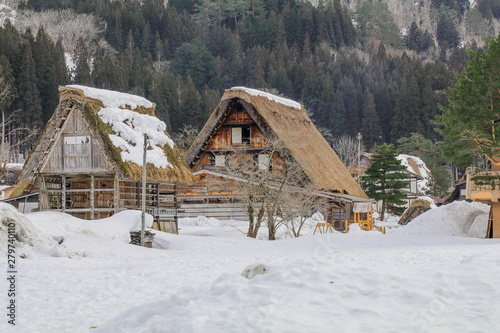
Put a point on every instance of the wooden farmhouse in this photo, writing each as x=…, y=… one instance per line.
x=88, y=160
x=248, y=120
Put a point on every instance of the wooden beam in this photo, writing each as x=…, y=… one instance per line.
x=117, y=191
x=92, y=196
x=63, y=203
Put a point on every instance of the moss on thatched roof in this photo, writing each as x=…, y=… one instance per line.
x=279, y=119
x=90, y=107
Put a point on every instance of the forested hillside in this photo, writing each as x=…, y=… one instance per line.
x=353, y=70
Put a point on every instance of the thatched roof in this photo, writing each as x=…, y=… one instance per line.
x=75, y=97
x=287, y=121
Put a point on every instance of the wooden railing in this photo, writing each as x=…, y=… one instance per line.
x=483, y=192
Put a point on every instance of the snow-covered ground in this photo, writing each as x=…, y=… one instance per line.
x=427, y=276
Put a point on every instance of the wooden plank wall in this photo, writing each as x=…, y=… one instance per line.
x=81, y=158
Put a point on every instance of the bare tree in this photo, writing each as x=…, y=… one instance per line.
x=12, y=136
x=265, y=183
x=346, y=148
x=185, y=137
x=299, y=204
x=65, y=25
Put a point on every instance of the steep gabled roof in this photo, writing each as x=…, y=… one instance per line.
x=287, y=121
x=116, y=121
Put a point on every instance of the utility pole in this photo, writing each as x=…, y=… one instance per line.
x=143, y=222
x=359, y=137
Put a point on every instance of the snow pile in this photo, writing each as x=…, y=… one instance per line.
x=271, y=97
x=114, y=99
x=27, y=238
x=459, y=218
x=129, y=127
x=416, y=165
x=200, y=221
x=62, y=226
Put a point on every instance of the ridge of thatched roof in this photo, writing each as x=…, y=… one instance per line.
x=76, y=96
x=291, y=125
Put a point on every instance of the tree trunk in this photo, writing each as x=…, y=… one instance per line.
x=271, y=230
x=383, y=210
x=250, y=218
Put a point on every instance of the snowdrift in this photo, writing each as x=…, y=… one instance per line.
x=459, y=218
x=60, y=234
x=27, y=238
x=117, y=227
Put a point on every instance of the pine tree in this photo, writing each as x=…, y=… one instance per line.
x=468, y=122
x=82, y=70
x=44, y=55
x=370, y=129
x=191, y=111
x=146, y=41
x=29, y=97
x=258, y=77
x=60, y=69
x=384, y=179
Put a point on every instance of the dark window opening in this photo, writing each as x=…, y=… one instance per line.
x=245, y=135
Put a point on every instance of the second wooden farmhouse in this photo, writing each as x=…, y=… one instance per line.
x=248, y=120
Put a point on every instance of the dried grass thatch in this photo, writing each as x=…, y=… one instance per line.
x=299, y=135
x=74, y=97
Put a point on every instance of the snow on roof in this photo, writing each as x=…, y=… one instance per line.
x=416, y=165
x=114, y=99
x=271, y=97
x=129, y=128
x=14, y=166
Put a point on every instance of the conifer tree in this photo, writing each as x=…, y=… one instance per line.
x=60, y=69
x=384, y=179
x=44, y=55
x=258, y=77
x=190, y=109
x=370, y=129
x=29, y=97
x=469, y=120
x=82, y=70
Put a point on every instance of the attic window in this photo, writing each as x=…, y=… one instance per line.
x=240, y=135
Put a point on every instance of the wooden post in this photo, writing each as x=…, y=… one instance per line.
x=92, y=196
x=63, y=188
x=143, y=222
x=176, y=211
x=158, y=195
x=117, y=193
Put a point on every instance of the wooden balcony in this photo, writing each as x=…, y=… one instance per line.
x=486, y=193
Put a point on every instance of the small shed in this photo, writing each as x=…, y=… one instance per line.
x=88, y=160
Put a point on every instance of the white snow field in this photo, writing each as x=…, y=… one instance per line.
x=428, y=276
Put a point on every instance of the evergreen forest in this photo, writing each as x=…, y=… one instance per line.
x=353, y=70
